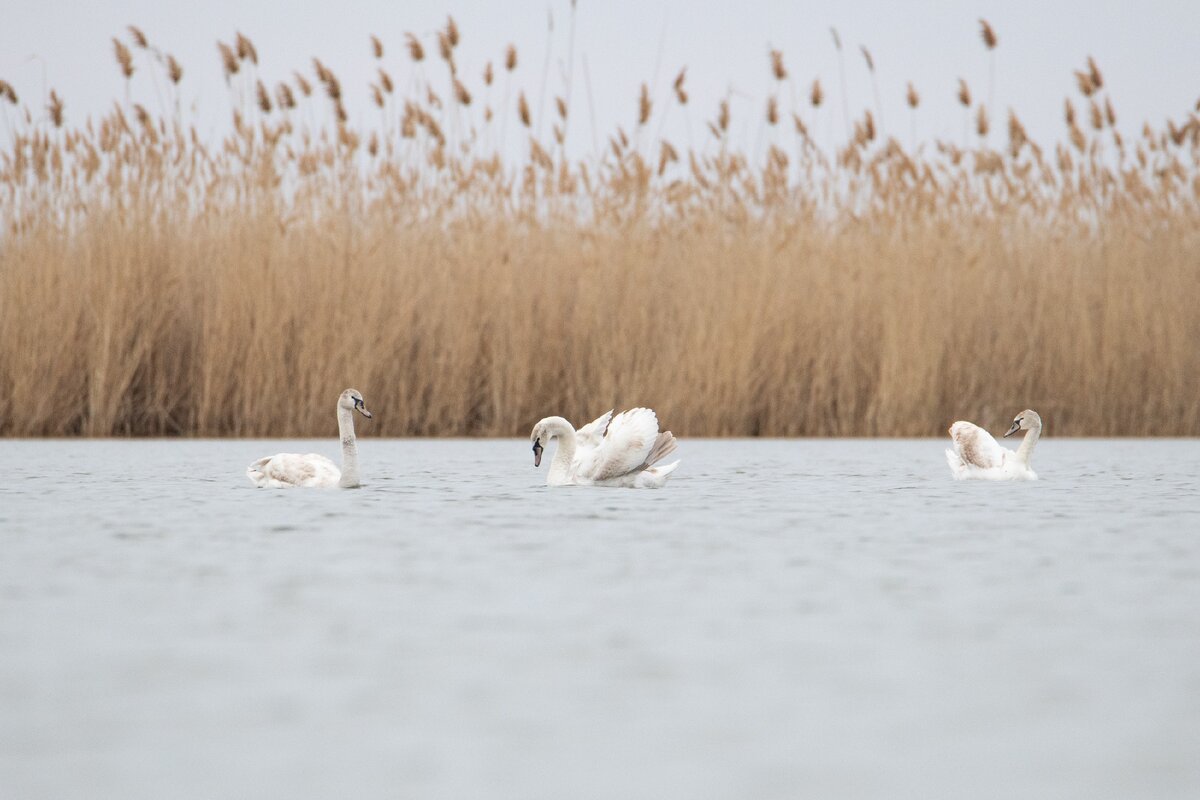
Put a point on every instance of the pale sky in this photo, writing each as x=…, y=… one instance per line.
x=1149, y=53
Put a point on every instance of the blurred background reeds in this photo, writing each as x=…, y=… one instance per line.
x=457, y=262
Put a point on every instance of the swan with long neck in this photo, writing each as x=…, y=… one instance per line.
x=977, y=455
x=287, y=470
x=612, y=451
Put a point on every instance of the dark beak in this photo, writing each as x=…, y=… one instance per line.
x=1016, y=426
x=362, y=409
x=537, y=454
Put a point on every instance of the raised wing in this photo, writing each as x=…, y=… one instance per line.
x=631, y=435
x=592, y=434
x=975, y=446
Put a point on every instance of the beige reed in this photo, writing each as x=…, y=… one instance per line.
x=151, y=284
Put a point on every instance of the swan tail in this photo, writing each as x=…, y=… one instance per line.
x=666, y=469
x=663, y=446
x=656, y=477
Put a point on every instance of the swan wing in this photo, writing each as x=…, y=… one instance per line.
x=975, y=446
x=624, y=449
x=592, y=434
x=293, y=469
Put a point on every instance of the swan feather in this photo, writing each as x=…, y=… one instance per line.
x=288, y=470
x=624, y=449
x=592, y=434
x=975, y=446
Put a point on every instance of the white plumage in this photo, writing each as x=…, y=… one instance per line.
x=288, y=470
x=610, y=451
x=978, y=456
x=591, y=434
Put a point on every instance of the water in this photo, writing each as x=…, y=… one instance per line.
x=786, y=619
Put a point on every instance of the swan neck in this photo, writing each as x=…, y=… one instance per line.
x=560, y=467
x=349, y=478
x=1025, y=451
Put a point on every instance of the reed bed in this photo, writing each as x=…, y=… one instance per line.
x=154, y=283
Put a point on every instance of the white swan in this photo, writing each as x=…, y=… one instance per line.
x=610, y=451
x=977, y=455
x=286, y=470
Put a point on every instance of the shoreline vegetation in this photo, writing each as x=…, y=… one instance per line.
x=155, y=284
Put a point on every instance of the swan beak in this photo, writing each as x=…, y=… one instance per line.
x=537, y=454
x=362, y=409
x=1016, y=426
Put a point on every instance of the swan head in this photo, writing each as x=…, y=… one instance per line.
x=548, y=429
x=352, y=400
x=1026, y=420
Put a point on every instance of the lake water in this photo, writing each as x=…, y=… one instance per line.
x=786, y=619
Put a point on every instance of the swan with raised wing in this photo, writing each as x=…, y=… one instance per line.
x=978, y=456
x=611, y=451
x=288, y=470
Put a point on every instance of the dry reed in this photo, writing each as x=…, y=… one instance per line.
x=152, y=284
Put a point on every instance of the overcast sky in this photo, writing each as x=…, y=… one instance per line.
x=1149, y=53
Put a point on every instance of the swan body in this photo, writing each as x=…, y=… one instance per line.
x=978, y=456
x=619, y=451
x=289, y=470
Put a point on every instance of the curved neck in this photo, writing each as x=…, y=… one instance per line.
x=560, y=467
x=349, y=478
x=1025, y=451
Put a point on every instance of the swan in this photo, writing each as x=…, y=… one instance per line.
x=609, y=451
x=977, y=455
x=285, y=470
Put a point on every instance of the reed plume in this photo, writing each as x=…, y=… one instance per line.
x=523, y=110
x=245, y=49
x=229, y=60
x=981, y=120
x=124, y=58
x=284, y=97
x=55, y=109
x=988, y=34
x=461, y=94
x=777, y=68
x=644, y=105
x=1086, y=83
x=138, y=37
x=964, y=93
x=415, y=51
x=263, y=97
